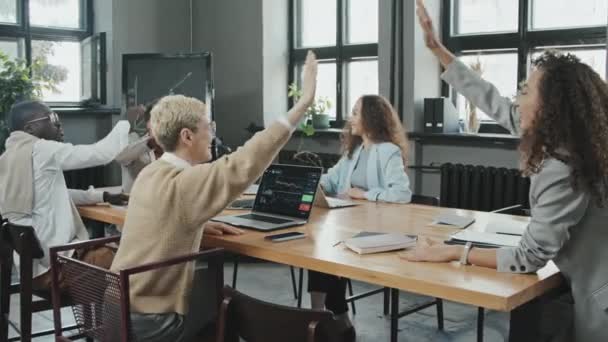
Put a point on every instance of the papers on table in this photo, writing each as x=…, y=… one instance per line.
x=453, y=220
x=507, y=227
x=484, y=239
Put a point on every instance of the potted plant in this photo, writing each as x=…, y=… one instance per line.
x=17, y=83
x=317, y=114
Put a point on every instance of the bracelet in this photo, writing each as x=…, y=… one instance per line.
x=464, y=257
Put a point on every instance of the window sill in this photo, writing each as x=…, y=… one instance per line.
x=86, y=110
x=481, y=139
x=319, y=132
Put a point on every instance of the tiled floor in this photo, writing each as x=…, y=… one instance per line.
x=271, y=282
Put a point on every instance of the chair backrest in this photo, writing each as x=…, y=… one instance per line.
x=100, y=298
x=253, y=320
x=425, y=200
x=22, y=239
x=96, y=298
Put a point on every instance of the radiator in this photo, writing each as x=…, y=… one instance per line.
x=83, y=178
x=482, y=188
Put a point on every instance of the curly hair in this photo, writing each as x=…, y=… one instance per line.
x=571, y=124
x=380, y=122
x=172, y=114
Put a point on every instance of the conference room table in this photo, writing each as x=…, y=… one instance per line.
x=319, y=251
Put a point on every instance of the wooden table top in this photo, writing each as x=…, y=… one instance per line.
x=471, y=285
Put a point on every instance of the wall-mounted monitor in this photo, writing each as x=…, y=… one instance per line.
x=148, y=76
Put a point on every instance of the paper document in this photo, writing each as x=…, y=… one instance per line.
x=499, y=240
x=453, y=220
x=508, y=227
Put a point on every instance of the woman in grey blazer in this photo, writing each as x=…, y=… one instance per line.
x=562, y=117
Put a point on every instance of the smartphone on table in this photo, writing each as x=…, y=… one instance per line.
x=285, y=236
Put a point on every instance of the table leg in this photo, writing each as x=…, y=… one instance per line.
x=394, y=314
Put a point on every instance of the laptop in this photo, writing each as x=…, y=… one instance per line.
x=323, y=201
x=284, y=199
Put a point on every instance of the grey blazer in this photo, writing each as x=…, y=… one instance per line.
x=566, y=226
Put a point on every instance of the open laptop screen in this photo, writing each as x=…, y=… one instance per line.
x=288, y=190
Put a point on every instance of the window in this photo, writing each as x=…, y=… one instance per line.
x=55, y=38
x=344, y=35
x=502, y=36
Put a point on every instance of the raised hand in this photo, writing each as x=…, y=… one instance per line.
x=309, y=86
x=426, y=23
x=309, y=83
x=430, y=35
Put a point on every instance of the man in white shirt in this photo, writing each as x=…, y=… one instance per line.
x=34, y=190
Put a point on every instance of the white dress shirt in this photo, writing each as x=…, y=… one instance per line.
x=52, y=216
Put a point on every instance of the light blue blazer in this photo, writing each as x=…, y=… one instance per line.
x=386, y=177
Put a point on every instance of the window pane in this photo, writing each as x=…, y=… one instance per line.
x=13, y=48
x=57, y=65
x=326, y=83
x=362, y=79
x=483, y=16
x=315, y=23
x=362, y=21
x=55, y=13
x=498, y=68
x=551, y=14
x=8, y=11
x=594, y=57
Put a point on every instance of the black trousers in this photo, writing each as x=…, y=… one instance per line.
x=334, y=287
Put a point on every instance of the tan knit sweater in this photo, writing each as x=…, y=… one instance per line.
x=168, y=208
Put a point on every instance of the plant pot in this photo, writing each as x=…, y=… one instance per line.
x=320, y=121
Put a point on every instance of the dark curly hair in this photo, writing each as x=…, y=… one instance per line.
x=380, y=122
x=571, y=124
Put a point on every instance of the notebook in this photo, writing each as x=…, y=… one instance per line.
x=453, y=220
x=368, y=242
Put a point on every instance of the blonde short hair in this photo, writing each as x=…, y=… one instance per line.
x=172, y=114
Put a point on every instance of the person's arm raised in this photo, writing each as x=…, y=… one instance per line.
x=431, y=38
x=213, y=186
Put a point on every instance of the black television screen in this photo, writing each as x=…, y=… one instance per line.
x=146, y=77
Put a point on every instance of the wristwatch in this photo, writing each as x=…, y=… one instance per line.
x=464, y=257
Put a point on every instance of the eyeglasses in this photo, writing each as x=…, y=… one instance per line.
x=52, y=116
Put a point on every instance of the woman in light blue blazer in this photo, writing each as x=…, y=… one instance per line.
x=375, y=154
x=561, y=114
x=372, y=168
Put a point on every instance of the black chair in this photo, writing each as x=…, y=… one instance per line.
x=250, y=319
x=23, y=241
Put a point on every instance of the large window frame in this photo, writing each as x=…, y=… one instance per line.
x=24, y=32
x=525, y=41
x=341, y=54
